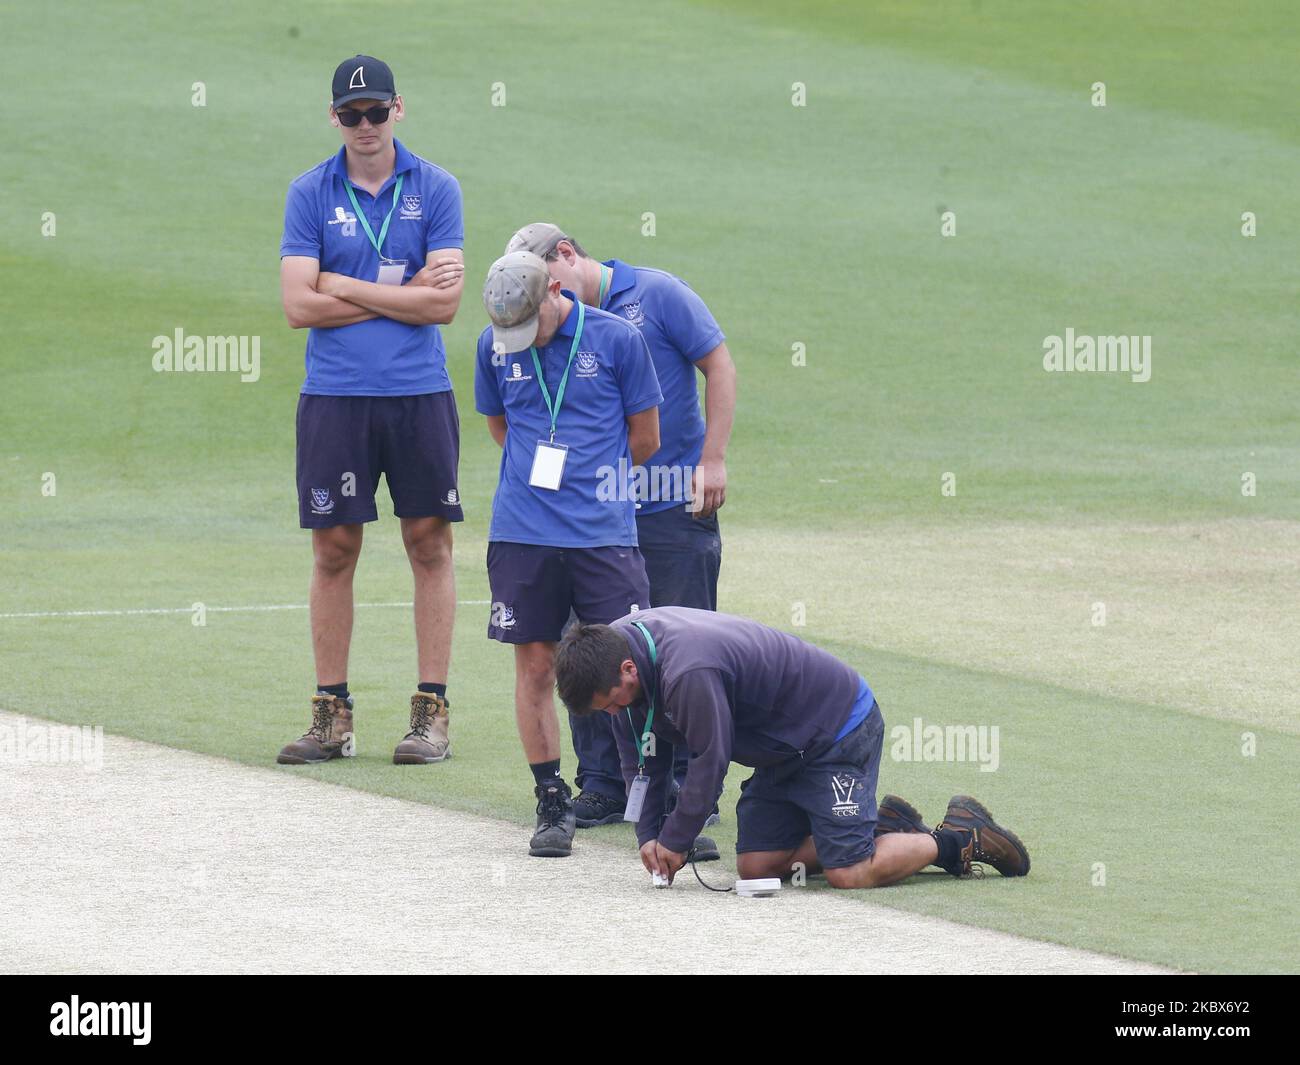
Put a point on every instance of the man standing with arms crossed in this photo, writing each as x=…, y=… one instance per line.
x=568, y=390
x=677, y=525
x=377, y=398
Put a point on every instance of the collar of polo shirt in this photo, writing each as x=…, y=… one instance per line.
x=403, y=161
x=624, y=278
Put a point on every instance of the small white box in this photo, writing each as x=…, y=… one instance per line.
x=758, y=889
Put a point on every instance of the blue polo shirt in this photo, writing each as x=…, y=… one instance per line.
x=679, y=330
x=612, y=377
x=382, y=356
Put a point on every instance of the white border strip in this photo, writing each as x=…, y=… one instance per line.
x=257, y=609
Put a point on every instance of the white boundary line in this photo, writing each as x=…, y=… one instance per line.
x=256, y=609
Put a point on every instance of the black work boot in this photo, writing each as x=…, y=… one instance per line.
x=555, y=827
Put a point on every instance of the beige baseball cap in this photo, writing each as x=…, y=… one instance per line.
x=540, y=238
x=514, y=291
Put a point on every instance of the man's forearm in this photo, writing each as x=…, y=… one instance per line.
x=642, y=448
x=312, y=310
x=719, y=412
x=656, y=798
x=412, y=304
x=681, y=827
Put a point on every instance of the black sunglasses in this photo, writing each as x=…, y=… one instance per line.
x=377, y=115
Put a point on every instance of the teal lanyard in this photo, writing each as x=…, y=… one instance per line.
x=605, y=274
x=553, y=409
x=365, y=222
x=650, y=702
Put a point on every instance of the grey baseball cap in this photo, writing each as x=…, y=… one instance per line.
x=515, y=289
x=540, y=238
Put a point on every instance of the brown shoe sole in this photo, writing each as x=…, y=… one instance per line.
x=297, y=759
x=420, y=759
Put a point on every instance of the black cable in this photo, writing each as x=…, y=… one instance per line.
x=690, y=857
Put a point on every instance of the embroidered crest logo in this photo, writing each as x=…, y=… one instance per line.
x=410, y=207
x=843, y=785
x=587, y=364
x=321, y=503
x=633, y=312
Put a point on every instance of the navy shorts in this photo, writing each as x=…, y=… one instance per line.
x=346, y=442
x=533, y=588
x=683, y=555
x=831, y=797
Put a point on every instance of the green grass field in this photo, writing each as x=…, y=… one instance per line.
x=1121, y=745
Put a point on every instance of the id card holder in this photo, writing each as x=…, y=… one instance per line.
x=548, y=465
x=391, y=271
x=636, y=798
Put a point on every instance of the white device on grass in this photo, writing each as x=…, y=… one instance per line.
x=659, y=881
x=758, y=889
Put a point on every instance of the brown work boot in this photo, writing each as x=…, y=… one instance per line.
x=898, y=815
x=984, y=841
x=427, y=741
x=330, y=735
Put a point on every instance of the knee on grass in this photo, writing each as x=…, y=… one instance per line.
x=760, y=866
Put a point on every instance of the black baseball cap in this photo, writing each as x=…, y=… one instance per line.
x=363, y=77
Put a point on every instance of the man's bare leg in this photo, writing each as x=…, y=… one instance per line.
x=428, y=548
x=897, y=856
x=539, y=726
x=336, y=551
x=539, y=731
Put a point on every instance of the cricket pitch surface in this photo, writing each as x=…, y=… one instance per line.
x=164, y=861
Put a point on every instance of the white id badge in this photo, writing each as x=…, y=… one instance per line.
x=636, y=798
x=391, y=271
x=548, y=465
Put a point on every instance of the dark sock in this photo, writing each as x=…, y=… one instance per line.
x=545, y=772
x=433, y=689
x=949, y=842
x=341, y=690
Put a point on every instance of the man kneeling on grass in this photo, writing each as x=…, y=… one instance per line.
x=732, y=690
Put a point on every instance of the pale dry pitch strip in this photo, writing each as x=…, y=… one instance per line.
x=168, y=861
